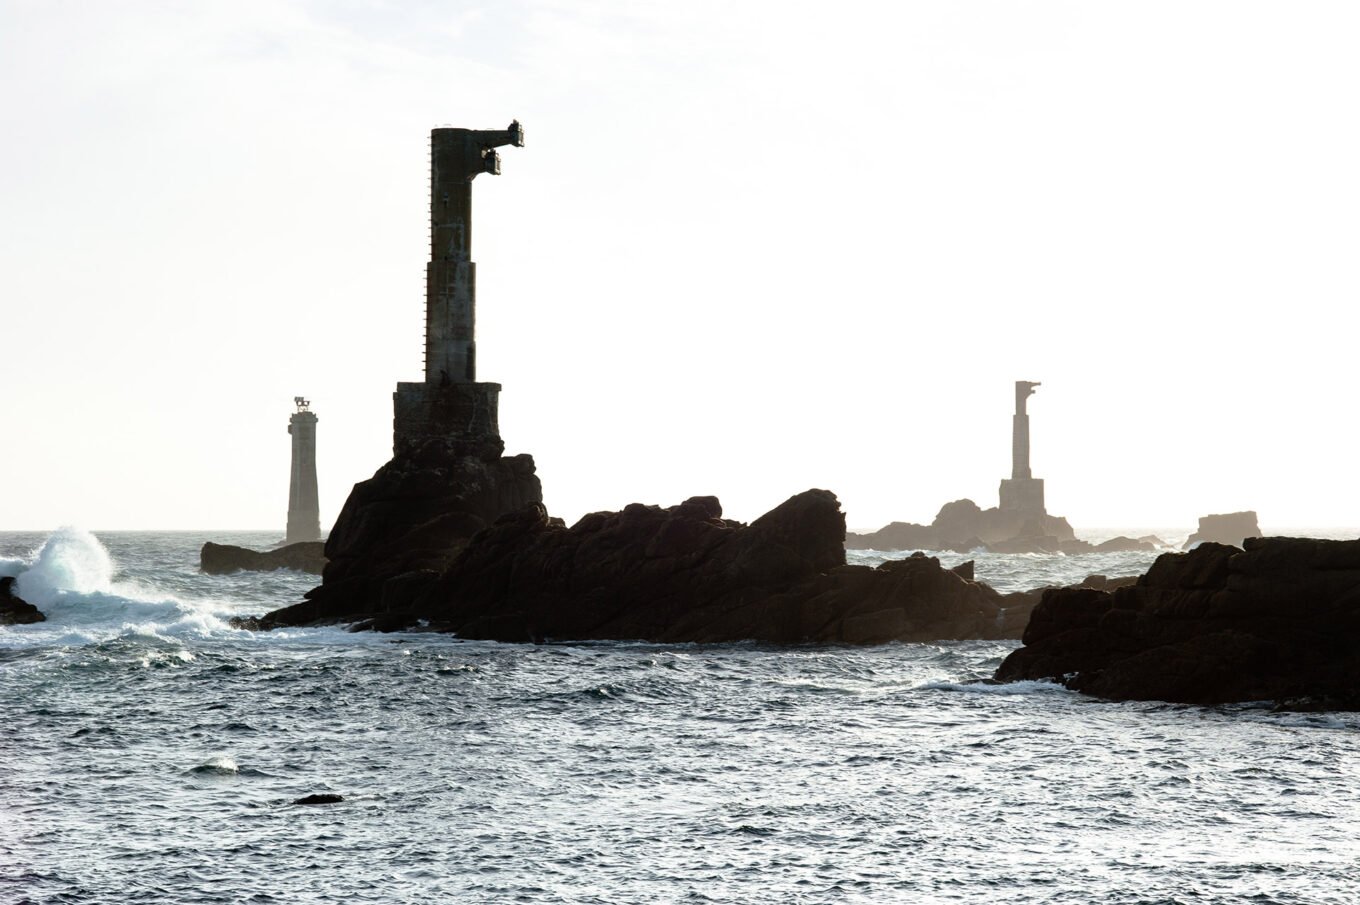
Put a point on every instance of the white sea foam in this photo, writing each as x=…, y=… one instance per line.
x=221, y=765
x=1029, y=686
x=70, y=579
x=71, y=561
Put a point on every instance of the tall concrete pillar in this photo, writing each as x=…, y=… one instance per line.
x=457, y=156
x=1020, y=431
x=451, y=407
x=1022, y=492
x=304, y=513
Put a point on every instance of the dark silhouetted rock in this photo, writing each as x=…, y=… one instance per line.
x=403, y=527
x=682, y=574
x=320, y=798
x=1102, y=583
x=15, y=610
x=1229, y=528
x=1277, y=621
x=221, y=559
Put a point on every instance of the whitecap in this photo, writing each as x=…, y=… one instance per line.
x=1028, y=686
x=221, y=765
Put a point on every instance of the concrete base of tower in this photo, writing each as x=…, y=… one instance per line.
x=1023, y=495
x=303, y=527
x=459, y=417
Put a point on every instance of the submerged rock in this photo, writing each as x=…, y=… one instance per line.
x=320, y=798
x=1276, y=621
x=14, y=610
x=680, y=574
x=222, y=559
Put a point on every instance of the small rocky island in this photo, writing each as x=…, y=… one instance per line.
x=1020, y=524
x=223, y=559
x=1277, y=620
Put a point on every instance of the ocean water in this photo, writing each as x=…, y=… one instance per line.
x=151, y=753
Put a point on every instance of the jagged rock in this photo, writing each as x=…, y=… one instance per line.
x=1227, y=528
x=404, y=526
x=14, y=610
x=221, y=559
x=1276, y=621
x=685, y=574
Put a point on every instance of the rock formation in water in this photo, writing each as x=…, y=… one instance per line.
x=415, y=516
x=221, y=559
x=1120, y=544
x=1276, y=621
x=678, y=574
x=963, y=526
x=14, y=610
x=1228, y=528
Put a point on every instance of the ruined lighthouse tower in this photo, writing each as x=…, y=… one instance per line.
x=1022, y=493
x=450, y=407
x=448, y=477
x=304, y=515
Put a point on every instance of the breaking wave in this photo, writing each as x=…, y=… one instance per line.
x=73, y=581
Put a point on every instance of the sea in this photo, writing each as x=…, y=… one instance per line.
x=149, y=752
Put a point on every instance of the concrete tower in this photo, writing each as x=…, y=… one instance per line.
x=451, y=406
x=1022, y=492
x=304, y=515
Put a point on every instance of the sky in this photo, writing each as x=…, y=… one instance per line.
x=749, y=248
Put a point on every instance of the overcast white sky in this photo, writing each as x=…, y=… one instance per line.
x=749, y=248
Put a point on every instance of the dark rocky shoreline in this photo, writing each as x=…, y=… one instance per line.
x=1276, y=621
x=678, y=574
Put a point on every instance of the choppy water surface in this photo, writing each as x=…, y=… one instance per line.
x=150, y=754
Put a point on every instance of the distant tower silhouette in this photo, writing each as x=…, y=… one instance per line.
x=1022, y=492
x=304, y=515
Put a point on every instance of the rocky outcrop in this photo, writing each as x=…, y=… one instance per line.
x=1120, y=544
x=1276, y=621
x=411, y=519
x=681, y=574
x=13, y=609
x=963, y=526
x=1229, y=528
x=222, y=559
x=320, y=798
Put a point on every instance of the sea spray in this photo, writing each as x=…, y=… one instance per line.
x=71, y=560
x=71, y=579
